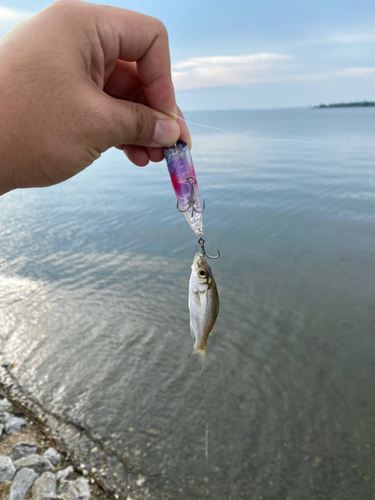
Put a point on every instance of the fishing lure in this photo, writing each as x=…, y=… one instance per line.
x=185, y=184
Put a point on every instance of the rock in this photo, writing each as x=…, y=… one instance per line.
x=1, y=428
x=7, y=469
x=53, y=456
x=36, y=462
x=78, y=490
x=63, y=488
x=5, y=404
x=4, y=416
x=45, y=487
x=63, y=474
x=22, y=483
x=14, y=424
x=23, y=449
x=140, y=481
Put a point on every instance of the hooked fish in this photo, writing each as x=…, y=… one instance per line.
x=203, y=306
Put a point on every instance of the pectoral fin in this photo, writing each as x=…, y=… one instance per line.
x=197, y=299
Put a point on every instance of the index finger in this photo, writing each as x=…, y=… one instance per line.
x=131, y=36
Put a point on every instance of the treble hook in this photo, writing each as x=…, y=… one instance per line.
x=191, y=200
x=204, y=254
x=191, y=205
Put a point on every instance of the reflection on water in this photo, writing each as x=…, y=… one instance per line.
x=94, y=283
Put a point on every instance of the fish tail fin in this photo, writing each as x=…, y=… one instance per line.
x=200, y=355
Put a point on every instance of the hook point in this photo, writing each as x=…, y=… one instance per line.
x=204, y=254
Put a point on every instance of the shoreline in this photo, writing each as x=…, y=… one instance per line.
x=31, y=442
x=109, y=477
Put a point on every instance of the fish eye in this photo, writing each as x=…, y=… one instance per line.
x=202, y=273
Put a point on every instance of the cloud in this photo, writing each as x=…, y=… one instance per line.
x=11, y=17
x=355, y=39
x=329, y=75
x=367, y=71
x=217, y=71
x=351, y=39
x=223, y=71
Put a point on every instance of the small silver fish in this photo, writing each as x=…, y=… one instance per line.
x=203, y=306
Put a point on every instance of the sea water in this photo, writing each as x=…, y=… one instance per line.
x=94, y=286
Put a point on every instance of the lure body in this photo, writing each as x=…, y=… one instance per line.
x=185, y=185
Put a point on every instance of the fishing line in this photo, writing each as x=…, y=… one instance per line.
x=268, y=138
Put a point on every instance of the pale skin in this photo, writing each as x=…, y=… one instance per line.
x=77, y=79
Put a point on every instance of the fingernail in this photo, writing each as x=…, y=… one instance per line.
x=166, y=132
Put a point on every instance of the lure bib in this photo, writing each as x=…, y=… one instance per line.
x=185, y=185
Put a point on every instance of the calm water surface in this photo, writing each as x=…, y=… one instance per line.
x=94, y=285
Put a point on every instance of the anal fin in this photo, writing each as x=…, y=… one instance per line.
x=213, y=331
x=192, y=330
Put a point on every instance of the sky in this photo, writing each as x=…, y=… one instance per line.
x=251, y=54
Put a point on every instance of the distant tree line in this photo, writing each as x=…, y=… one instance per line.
x=362, y=104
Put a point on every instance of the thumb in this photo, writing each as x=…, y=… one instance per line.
x=127, y=122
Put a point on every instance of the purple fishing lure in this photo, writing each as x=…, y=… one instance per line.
x=185, y=185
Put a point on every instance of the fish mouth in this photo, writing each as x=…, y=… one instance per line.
x=194, y=266
x=198, y=261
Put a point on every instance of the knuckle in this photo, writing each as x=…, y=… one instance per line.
x=161, y=30
x=64, y=14
x=64, y=4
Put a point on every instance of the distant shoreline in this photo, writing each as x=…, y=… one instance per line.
x=362, y=104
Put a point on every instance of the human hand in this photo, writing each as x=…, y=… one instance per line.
x=77, y=79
